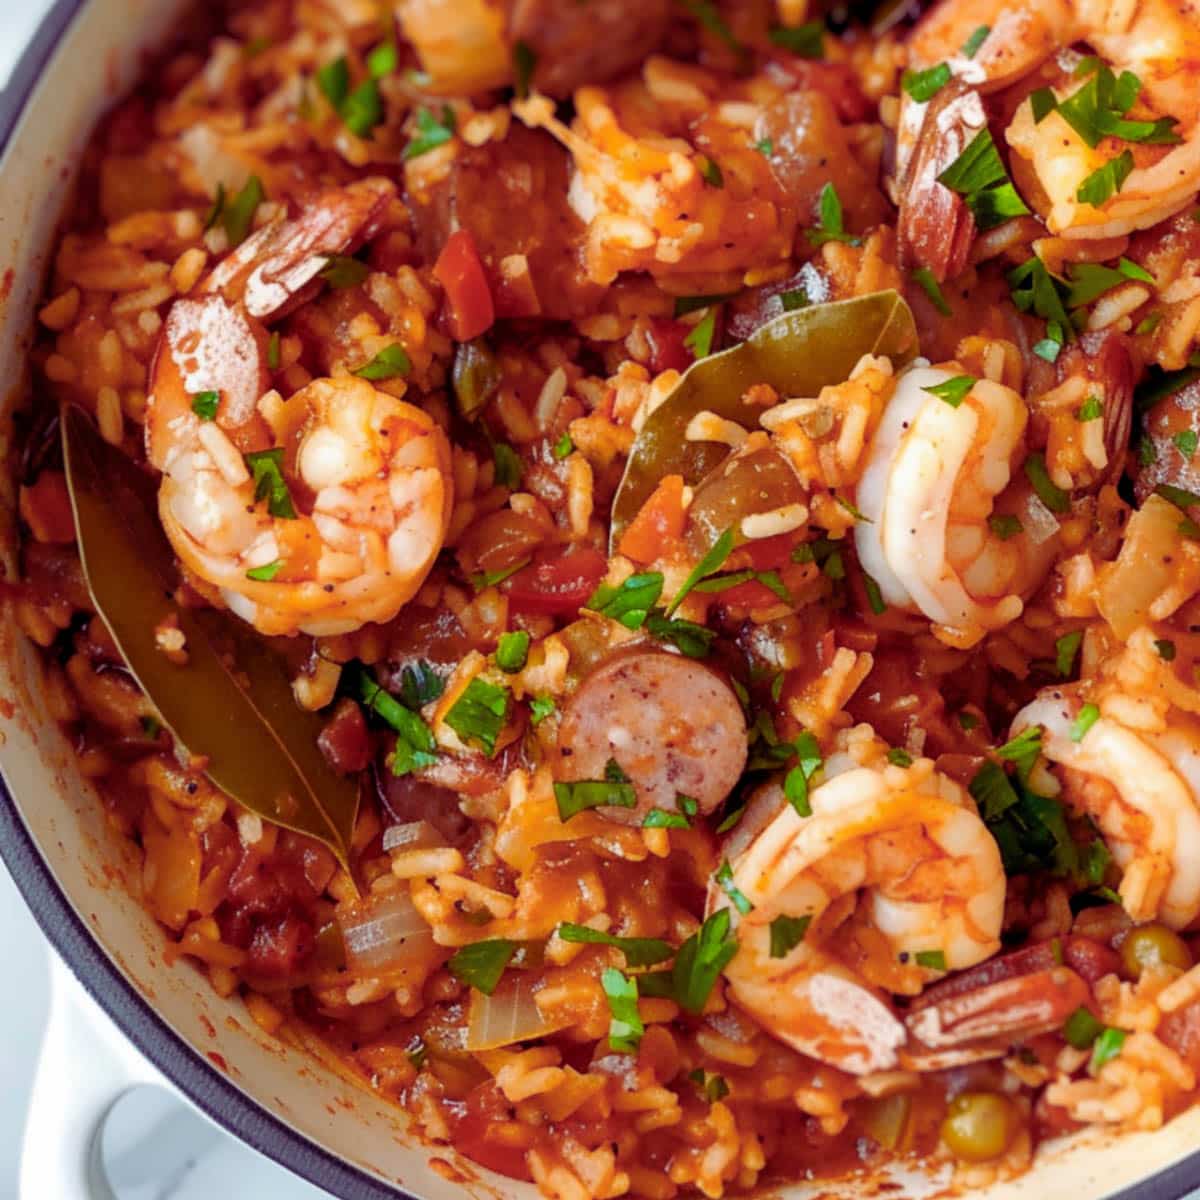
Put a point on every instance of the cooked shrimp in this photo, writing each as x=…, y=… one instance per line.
x=1157, y=40
x=1139, y=783
x=351, y=494
x=935, y=474
x=893, y=863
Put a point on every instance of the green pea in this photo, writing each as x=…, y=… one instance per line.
x=980, y=1126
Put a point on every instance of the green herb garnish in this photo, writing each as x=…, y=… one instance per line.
x=481, y=964
x=266, y=468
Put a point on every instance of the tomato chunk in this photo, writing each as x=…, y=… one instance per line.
x=658, y=524
x=458, y=269
x=557, y=581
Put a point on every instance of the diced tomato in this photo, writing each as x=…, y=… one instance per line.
x=766, y=553
x=485, y=1111
x=751, y=594
x=468, y=297
x=344, y=740
x=557, y=581
x=279, y=947
x=667, y=349
x=658, y=523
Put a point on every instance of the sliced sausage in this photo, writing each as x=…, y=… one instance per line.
x=574, y=44
x=671, y=724
x=1164, y=462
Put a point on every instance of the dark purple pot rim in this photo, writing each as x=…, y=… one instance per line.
x=198, y=1080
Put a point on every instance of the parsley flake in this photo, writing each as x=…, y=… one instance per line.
x=481, y=964
x=432, y=132
x=266, y=468
x=787, y=933
x=205, y=404
x=638, y=952
x=625, y=1027
x=953, y=391
x=391, y=362
x=831, y=227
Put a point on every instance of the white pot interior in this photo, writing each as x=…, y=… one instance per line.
x=97, y=59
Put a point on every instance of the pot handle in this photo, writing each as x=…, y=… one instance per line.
x=82, y=1071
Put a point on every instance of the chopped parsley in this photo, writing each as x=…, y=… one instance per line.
x=700, y=340
x=1050, y=347
x=524, y=61
x=953, y=391
x=765, y=147
x=563, y=447
x=577, y=797
x=1185, y=441
x=1092, y=409
x=1023, y=750
x=806, y=41
x=724, y=880
x=1107, y=1047
x=273, y=351
x=972, y=44
x=831, y=226
x=1097, y=110
x=700, y=960
x=1178, y=496
x=1147, y=454
x=793, y=299
x=1048, y=492
x=238, y=214
x=266, y=572
x=689, y=638
x=874, y=595
x=362, y=110
x=978, y=175
x=1035, y=290
x=710, y=171
x=333, y=81
x=1148, y=324
x=899, y=758
x=659, y=818
x=512, y=650
x=486, y=579
x=540, y=707
x=390, y=362
x=639, y=952
x=1005, y=525
x=796, y=781
x=787, y=933
x=340, y=271
x=481, y=964
x=711, y=1087
x=1042, y=102
x=266, y=468
x=1065, y=649
x=1105, y=181
x=415, y=746
x=1089, y=714
x=691, y=304
x=631, y=602
x=508, y=465
x=713, y=560
x=383, y=60
x=1089, y=281
x=480, y=713
x=420, y=684
x=205, y=404
x=432, y=132
x=923, y=277
x=934, y=960
x=924, y=85
x=218, y=207
x=625, y=1027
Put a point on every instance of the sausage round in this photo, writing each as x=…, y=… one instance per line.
x=671, y=724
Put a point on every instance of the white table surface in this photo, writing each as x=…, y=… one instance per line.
x=231, y=1171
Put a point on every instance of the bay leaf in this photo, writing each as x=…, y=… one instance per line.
x=231, y=703
x=797, y=353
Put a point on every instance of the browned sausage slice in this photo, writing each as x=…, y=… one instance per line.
x=672, y=724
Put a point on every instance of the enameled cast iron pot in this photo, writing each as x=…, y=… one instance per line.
x=75, y=876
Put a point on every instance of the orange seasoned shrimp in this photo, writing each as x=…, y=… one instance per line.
x=317, y=514
x=936, y=474
x=1156, y=41
x=898, y=879
x=1128, y=757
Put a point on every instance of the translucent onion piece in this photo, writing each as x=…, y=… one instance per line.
x=1146, y=567
x=413, y=835
x=1040, y=523
x=383, y=933
x=508, y=1015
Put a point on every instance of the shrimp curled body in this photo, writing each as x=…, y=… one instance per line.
x=935, y=474
x=1142, y=788
x=316, y=514
x=893, y=861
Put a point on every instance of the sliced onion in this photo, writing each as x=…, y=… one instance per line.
x=508, y=1015
x=383, y=933
x=1146, y=567
x=412, y=835
x=1040, y=523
